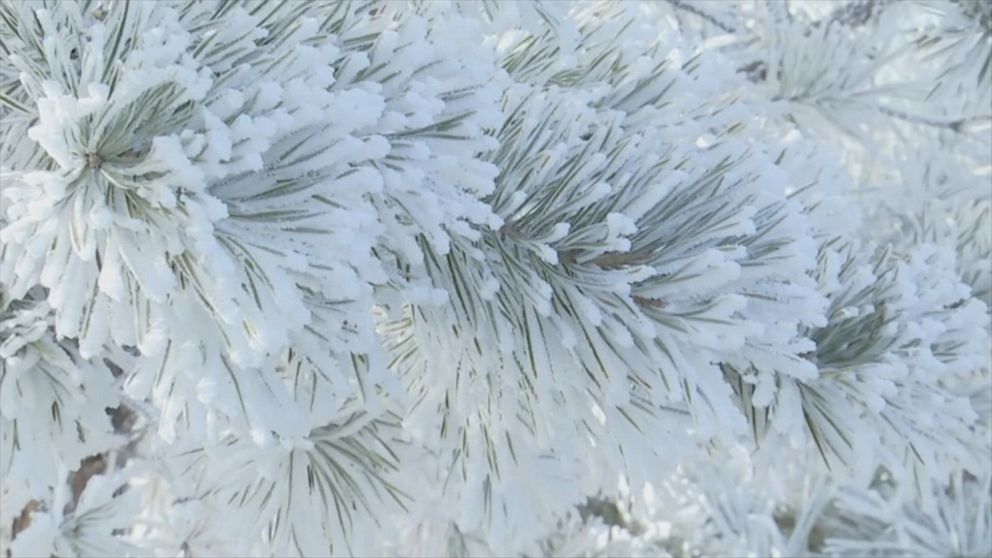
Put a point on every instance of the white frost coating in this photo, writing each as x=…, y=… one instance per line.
x=495, y=278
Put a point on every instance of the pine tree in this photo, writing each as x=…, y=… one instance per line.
x=495, y=278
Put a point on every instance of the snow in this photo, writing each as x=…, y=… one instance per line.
x=495, y=278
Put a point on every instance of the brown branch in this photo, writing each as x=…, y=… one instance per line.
x=648, y=302
x=92, y=465
x=23, y=521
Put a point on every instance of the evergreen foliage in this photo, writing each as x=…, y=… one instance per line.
x=486, y=278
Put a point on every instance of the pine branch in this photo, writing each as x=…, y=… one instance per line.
x=693, y=8
x=855, y=13
x=955, y=125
